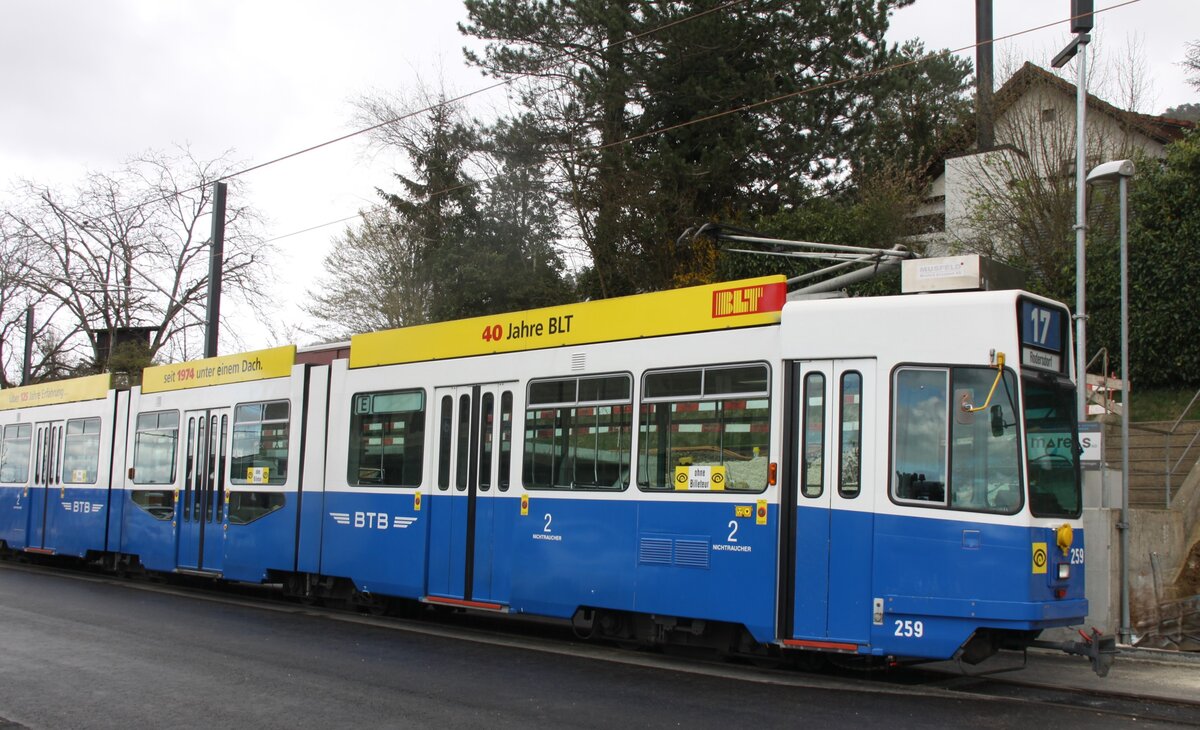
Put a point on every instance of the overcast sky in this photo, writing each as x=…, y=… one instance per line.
x=87, y=83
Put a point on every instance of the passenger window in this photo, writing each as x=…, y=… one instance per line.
x=813, y=484
x=260, y=443
x=155, y=445
x=506, y=427
x=850, y=436
x=245, y=507
x=14, y=453
x=578, y=433
x=446, y=428
x=387, y=439
x=709, y=416
x=464, y=442
x=486, y=424
x=81, y=451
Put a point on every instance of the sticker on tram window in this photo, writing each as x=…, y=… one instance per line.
x=708, y=478
x=258, y=474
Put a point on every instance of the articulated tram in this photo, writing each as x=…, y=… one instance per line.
x=892, y=478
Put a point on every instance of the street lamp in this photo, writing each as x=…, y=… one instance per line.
x=1119, y=171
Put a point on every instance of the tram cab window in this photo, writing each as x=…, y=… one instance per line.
x=387, y=439
x=943, y=455
x=81, y=451
x=1051, y=434
x=708, y=416
x=578, y=433
x=260, y=443
x=14, y=453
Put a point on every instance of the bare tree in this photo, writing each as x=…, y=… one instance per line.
x=130, y=250
x=1191, y=63
x=376, y=256
x=1020, y=200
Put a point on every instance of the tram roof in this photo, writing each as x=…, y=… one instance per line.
x=743, y=303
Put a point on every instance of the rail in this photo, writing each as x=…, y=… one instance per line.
x=1105, y=393
x=1104, y=399
x=1167, y=449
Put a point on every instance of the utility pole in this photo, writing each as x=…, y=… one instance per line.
x=985, y=137
x=215, y=267
x=27, y=364
x=1081, y=23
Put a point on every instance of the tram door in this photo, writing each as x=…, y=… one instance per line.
x=201, y=535
x=47, y=478
x=833, y=520
x=471, y=473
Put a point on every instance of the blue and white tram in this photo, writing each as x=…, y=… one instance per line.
x=216, y=466
x=887, y=477
x=57, y=444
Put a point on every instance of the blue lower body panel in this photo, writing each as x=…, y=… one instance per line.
x=375, y=540
x=65, y=521
x=14, y=517
x=941, y=580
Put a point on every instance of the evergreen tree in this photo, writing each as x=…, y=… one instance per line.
x=681, y=81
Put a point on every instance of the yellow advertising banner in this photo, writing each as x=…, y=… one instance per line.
x=93, y=387
x=221, y=370
x=744, y=303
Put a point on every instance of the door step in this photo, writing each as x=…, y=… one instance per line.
x=462, y=603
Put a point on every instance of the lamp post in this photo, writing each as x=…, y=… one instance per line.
x=1119, y=171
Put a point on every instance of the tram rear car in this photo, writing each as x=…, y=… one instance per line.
x=57, y=442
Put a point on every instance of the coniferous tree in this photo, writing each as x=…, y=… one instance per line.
x=664, y=115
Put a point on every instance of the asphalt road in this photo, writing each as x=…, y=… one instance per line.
x=94, y=654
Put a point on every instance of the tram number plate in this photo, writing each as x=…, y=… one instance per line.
x=910, y=629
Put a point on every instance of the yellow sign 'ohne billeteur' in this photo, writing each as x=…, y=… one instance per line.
x=258, y=365
x=93, y=387
x=743, y=303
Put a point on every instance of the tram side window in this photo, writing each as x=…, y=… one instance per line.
x=155, y=447
x=578, y=432
x=260, y=443
x=716, y=416
x=850, y=445
x=14, y=453
x=155, y=453
x=387, y=439
x=944, y=454
x=81, y=451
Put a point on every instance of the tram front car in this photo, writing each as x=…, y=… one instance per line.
x=978, y=543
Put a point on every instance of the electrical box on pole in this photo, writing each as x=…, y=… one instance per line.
x=1081, y=16
x=215, y=267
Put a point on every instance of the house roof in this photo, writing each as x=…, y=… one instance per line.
x=1163, y=130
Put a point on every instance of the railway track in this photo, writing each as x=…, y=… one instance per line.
x=941, y=680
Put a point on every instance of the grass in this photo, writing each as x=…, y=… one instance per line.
x=1163, y=404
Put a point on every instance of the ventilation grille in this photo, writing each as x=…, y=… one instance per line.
x=578, y=361
x=654, y=551
x=681, y=552
x=691, y=553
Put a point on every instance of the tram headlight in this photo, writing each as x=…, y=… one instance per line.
x=1064, y=571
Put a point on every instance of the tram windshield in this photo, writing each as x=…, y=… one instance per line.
x=1051, y=438
x=980, y=471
